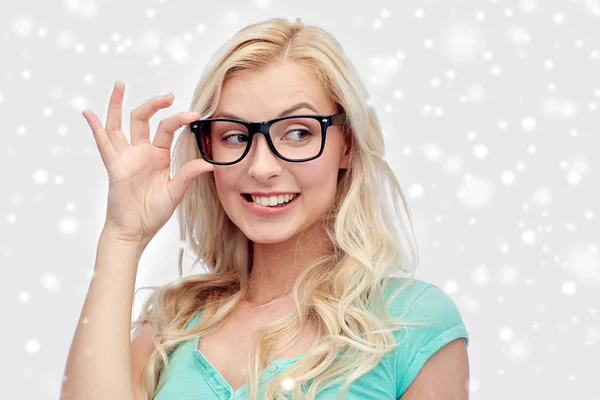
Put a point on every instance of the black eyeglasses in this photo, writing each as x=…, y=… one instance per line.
x=295, y=138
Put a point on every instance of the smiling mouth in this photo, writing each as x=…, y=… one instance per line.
x=249, y=199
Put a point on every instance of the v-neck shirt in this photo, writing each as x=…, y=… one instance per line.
x=192, y=377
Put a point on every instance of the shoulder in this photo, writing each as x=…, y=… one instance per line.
x=432, y=321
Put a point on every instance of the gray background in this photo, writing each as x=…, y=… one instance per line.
x=490, y=112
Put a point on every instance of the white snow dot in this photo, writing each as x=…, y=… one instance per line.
x=528, y=123
x=419, y=13
x=453, y=164
x=65, y=40
x=79, y=102
x=432, y=152
x=481, y=275
x=262, y=3
x=40, y=176
x=569, y=288
x=519, y=35
x=475, y=193
x=542, y=197
x=47, y=111
x=574, y=177
x=505, y=334
x=415, y=190
x=178, y=50
x=23, y=26
x=528, y=6
x=480, y=151
x=450, y=286
x=508, y=274
x=529, y=237
x=50, y=282
x=32, y=346
x=559, y=18
x=518, y=350
x=288, y=384
x=68, y=225
x=24, y=297
x=548, y=64
x=151, y=13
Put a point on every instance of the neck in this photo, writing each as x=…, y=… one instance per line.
x=276, y=266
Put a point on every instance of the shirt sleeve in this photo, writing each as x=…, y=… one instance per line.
x=417, y=343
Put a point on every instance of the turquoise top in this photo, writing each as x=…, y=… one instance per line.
x=192, y=377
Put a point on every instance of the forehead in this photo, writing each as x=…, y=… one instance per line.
x=258, y=95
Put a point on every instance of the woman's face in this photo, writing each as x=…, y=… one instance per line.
x=262, y=95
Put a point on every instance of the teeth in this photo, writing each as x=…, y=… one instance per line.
x=273, y=200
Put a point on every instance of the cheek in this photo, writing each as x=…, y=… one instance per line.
x=318, y=177
x=225, y=181
x=224, y=177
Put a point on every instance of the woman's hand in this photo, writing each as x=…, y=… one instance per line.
x=142, y=196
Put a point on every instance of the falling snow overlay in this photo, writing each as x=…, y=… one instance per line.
x=490, y=112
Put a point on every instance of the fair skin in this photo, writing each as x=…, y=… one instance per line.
x=445, y=375
x=259, y=96
x=279, y=252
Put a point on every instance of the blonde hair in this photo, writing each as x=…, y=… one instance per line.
x=369, y=230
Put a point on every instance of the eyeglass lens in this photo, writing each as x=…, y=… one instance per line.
x=295, y=139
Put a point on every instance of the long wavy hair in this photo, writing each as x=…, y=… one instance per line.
x=369, y=232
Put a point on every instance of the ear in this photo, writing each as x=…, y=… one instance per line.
x=345, y=161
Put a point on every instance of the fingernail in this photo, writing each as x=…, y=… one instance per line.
x=168, y=95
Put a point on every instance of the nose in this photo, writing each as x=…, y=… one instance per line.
x=263, y=163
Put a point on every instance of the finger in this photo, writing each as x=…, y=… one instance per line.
x=167, y=127
x=107, y=151
x=140, y=127
x=185, y=176
x=114, y=118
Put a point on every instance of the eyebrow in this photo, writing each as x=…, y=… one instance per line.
x=289, y=110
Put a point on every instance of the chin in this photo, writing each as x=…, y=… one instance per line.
x=264, y=237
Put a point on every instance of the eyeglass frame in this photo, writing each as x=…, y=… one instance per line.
x=263, y=127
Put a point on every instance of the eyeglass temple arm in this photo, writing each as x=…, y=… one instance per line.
x=338, y=119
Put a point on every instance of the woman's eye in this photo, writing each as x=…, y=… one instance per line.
x=298, y=134
x=237, y=138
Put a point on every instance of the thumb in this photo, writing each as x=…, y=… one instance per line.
x=185, y=176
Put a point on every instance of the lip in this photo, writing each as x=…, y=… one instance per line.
x=253, y=207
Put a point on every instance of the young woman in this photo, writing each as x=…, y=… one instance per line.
x=283, y=194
